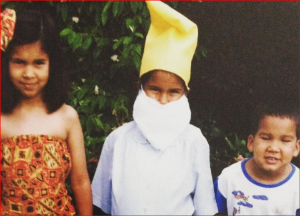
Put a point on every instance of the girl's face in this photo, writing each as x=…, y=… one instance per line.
x=29, y=69
x=164, y=87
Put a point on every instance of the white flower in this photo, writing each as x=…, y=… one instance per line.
x=75, y=19
x=115, y=40
x=82, y=80
x=96, y=90
x=131, y=28
x=114, y=58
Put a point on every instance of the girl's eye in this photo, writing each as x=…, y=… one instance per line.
x=18, y=61
x=265, y=138
x=39, y=62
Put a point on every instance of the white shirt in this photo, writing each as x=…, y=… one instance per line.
x=238, y=194
x=132, y=178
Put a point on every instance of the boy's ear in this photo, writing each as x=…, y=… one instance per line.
x=250, y=143
x=296, y=151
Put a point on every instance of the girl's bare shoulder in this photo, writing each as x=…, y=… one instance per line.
x=68, y=113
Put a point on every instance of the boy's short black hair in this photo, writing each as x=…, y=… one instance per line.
x=277, y=105
x=32, y=26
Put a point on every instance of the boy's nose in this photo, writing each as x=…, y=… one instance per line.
x=163, y=99
x=274, y=146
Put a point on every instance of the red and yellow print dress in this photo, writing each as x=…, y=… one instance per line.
x=33, y=173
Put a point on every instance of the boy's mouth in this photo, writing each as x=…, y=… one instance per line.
x=271, y=160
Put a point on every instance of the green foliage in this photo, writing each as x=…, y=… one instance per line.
x=239, y=146
x=103, y=43
x=225, y=148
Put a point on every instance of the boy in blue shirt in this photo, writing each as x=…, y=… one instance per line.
x=267, y=183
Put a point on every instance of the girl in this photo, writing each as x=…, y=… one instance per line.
x=158, y=164
x=41, y=137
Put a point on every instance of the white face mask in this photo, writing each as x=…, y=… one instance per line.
x=161, y=124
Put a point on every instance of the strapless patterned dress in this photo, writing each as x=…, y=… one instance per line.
x=33, y=173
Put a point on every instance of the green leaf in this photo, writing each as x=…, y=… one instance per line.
x=104, y=14
x=229, y=143
x=134, y=6
x=81, y=93
x=102, y=41
x=116, y=45
x=107, y=5
x=89, y=125
x=71, y=37
x=102, y=101
x=127, y=40
x=77, y=42
x=74, y=102
x=86, y=43
x=137, y=62
x=99, y=124
x=116, y=6
x=65, y=32
x=98, y=18
x=128, y=23
x=139, y=35
x=137, y=48
x=64, y=12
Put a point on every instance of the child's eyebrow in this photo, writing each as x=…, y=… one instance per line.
x=40, y=60
x=288, y=136
x=153, y=86
x=264, y=133
x=21, y=59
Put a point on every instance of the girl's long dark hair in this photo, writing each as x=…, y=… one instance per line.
x=32, y=26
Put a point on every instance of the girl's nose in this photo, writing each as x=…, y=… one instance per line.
x=28, y=72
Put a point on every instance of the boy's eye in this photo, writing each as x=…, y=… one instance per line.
x=175, y=91
x=286, y=141
x=154, y=89
x=265, y=138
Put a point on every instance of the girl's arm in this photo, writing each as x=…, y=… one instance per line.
x=80, y=181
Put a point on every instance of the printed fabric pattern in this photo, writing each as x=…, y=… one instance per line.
x=33, y=173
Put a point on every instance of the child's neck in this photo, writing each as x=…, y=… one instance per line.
x=266, y=177
x=31, y=105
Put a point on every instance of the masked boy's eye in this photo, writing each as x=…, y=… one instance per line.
x=175, y=91
x=154, y=89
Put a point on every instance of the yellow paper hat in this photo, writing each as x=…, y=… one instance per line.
x=170, y=43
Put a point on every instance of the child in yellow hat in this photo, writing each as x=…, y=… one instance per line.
x=159, y=164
